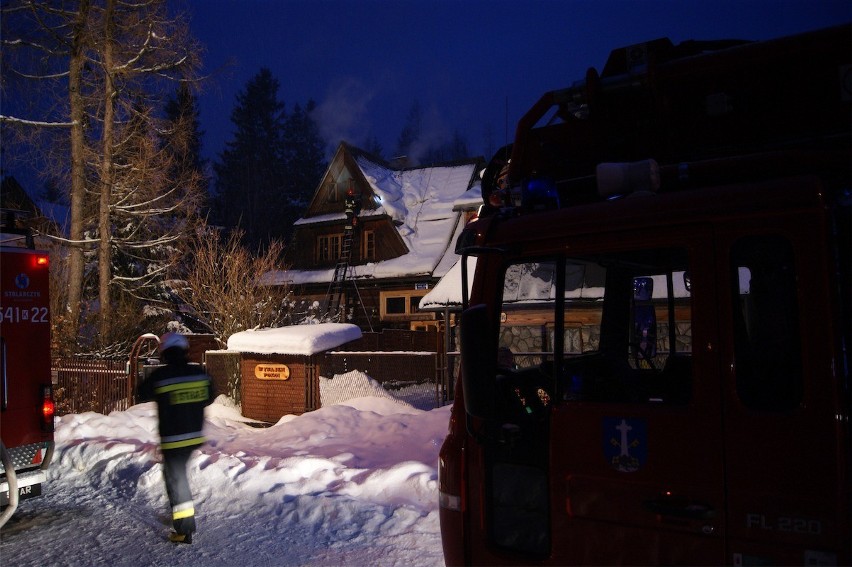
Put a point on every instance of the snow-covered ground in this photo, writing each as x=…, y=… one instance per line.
x=353, y=483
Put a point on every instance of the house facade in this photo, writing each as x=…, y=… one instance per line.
x=376, y=238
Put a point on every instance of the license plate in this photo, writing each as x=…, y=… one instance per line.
x=24, y=493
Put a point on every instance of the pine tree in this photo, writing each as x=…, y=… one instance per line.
x=411, y=132
x=182, y=117
x=455, y=149
x=373, y=147
x=183, y=108
x=305, y=160
x=52, y=192
x=250, y=174
x=458, y=147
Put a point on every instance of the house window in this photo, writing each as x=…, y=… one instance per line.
x=368, y=245
x=414, y=303
x=328, y=247
x=425, y=325
x=401, y=305
x=395, y=306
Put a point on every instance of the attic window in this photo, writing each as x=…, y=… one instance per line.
x=332, y=190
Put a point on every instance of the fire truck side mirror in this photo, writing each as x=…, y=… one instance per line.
x=478, y=361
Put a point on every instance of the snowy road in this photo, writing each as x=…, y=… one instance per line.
x=349, y=484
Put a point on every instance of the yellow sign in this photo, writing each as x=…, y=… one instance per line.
x=272, y=371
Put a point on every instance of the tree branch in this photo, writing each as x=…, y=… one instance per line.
x=34, y=123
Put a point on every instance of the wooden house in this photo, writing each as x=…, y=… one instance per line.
x=376, y=238
x=22, y=214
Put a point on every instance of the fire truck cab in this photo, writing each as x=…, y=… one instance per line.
x=665, y=251
x=26, y=392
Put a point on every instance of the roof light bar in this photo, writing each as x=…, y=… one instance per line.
x=536, y=194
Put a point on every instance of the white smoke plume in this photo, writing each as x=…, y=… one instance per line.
x=343, y=114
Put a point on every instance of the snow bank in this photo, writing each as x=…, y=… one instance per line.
x=354, y=387
x=353, y=483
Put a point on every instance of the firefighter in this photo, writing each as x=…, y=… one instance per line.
x=352, y=208
x=181, y=390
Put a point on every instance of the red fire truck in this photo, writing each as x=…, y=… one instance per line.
x=26, y=392
x=665, y=252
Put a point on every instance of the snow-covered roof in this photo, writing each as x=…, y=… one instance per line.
x=448, y=291
x=295, y=339
x=424, y=203
x=470, y=199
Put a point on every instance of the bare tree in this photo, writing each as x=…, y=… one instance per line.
x=227, y=287
x=107, y=168
x=107, y=64
x=139, y=47
x=44, y=47
x=153, y=206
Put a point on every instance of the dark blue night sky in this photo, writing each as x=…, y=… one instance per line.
x=473, y=65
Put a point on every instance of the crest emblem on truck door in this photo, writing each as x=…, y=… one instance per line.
x=625, y=443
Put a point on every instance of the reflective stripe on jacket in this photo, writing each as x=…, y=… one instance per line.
x=181, y=392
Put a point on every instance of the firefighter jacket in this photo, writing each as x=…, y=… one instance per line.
x=181, y=390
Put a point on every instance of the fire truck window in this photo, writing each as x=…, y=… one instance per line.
x=527, y=315
x=628, y=328
x=766, y=324
x=626, y=325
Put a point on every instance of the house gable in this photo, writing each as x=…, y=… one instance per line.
x=342, y=175
x=319, y=234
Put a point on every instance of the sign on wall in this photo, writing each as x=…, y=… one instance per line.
x=272, y=371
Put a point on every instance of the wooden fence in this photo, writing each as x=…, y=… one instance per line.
x=101, y=385
x=81, y=385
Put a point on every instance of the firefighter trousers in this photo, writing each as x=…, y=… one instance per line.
x=177, y=488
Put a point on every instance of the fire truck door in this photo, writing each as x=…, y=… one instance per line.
x=636, y=469
x=783, y=437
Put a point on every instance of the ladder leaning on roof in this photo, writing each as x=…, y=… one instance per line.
x=335, y=287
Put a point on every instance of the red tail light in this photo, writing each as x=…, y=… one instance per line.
x=48, y=408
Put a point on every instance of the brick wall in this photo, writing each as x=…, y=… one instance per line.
x=269, y=400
